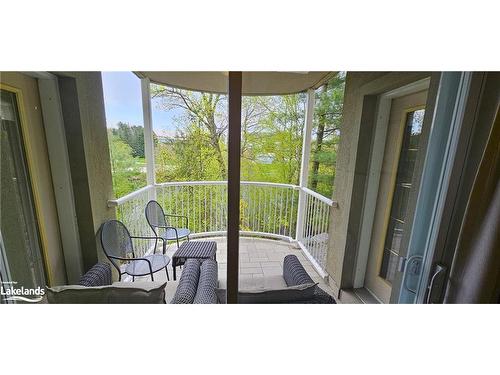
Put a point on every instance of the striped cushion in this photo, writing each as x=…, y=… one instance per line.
x=188, y=283
x=98, y=275
x=207, y=283
x=294, y=273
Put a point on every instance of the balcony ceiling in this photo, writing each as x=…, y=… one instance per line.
x=254, y=83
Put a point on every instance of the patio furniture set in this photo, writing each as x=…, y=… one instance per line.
x=118, y=246
x=198, y=283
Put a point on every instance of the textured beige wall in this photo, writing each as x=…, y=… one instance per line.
x=86, y=136
x=95, y=137
x=344, y=222
x=96, y=148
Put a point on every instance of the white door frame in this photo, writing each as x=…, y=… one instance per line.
x=374, y=170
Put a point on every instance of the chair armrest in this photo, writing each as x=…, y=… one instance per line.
x=146, y=237
x=184, y=216
x=166, y=227
x=156, y=238
x=179, y=216
x=134, y=259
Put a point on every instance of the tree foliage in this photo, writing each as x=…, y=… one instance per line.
x=131, y=135
x=127, y=170
x=326, y=135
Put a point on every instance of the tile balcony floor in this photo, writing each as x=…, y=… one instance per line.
x=261, y=263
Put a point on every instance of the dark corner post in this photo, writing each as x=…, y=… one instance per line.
x=233, y=185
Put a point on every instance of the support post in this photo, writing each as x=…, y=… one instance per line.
x=304, y=166
x=57, y=147
x=148, y=137
x=233, y=185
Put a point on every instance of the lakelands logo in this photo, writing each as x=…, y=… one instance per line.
x=10, y=292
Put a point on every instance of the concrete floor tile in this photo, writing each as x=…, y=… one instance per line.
x=250, y=270
x=260, y=260
x=269, y=271
x=249, y=264
x=271, y=264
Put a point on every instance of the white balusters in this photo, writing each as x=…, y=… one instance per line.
x=268, y=209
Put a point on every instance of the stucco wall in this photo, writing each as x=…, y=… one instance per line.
x=96, y=145
x=361, y=91
x=97, y=157
x=93, y=186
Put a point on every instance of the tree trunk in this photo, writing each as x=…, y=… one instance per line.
x=319, y=142
x=214, y=141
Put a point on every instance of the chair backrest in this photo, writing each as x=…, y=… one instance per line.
x=155, y=216
x=115, y=240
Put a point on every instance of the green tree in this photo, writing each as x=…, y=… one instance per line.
x=327, y=122
x=272, y=150
x=133, y=136
x=205, y=110
x=271, y=144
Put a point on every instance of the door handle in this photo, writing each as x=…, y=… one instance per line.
x=413, y=262
x=439, y=269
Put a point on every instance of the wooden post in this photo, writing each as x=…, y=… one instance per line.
x=233, y=185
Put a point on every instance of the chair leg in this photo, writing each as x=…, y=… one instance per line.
x=133, y=278
x=152, y=278
x=166, y=270
x=177, y=238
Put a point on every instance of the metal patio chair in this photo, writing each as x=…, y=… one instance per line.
x=158, y=221
x=117, y=244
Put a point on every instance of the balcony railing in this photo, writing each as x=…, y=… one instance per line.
x=266, y=210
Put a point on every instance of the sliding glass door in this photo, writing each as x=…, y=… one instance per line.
x=21, y=259
x=434, y=185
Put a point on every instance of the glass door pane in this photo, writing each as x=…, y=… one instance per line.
x=404, y=182
x=21, y=258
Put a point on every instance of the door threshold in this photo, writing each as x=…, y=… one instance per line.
x=366, y=296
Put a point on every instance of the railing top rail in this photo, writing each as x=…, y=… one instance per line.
x=257, y=183
x=188, y=183
x=319, y=196
x=272, y=184
x=126, y=198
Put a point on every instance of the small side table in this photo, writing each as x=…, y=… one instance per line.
x=194, y=249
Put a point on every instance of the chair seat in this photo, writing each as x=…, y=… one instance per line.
x=169, y=234
x=141, y=267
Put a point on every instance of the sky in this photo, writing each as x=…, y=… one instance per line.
x=122, y=100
